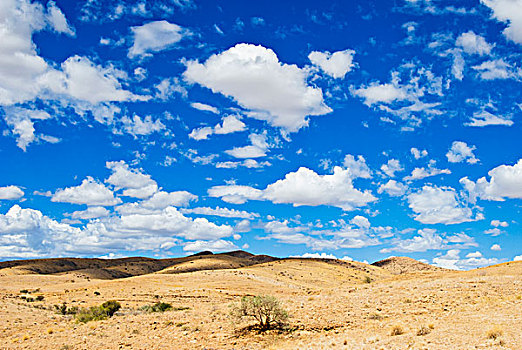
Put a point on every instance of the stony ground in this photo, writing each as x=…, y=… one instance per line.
x=330, y=306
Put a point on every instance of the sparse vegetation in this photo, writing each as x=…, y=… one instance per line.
x=97, y=313
x=64, y=310
x=367, y=279
x=423, y=330
x=157, y=307
x=265, y=309
x=396, y=330
x=495, y=333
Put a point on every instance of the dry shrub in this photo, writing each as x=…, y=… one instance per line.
x=265, y=309
x=397, y=330
x=424, y=330
x=495, y=333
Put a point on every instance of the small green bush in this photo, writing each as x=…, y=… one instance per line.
x=24, y=291
x=157, y=307
x=265, y=309
x=97, y=313
x=64, y=310
x=40, y=298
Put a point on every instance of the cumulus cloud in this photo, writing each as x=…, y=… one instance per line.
x=235, y=194
x=11, y=192
x=496, y=247
x=57, y=19
x=452, y=260
x=439, y=205
x=90, y=213
x=83, y=80
x=154, y=37
x=29, y=233
x=392, y=167
x=429, y=239
x=141, y=126
x=214, y=246
x=357, y=167
x=162, y=199
x=496, y=69
x=460, y=152
x=223, y=212
x=484, y=118
x=393, y=188
x=505, y=182
x=270, y=90
x=90, y=192
x=302, y=187
x=508, y=11
x=133, y=182
x=229, y=124
x=257, y=149
x=306, y=187
x=418, y=154
x=381, y=93
x=335, y=64
x=472, y=43
x=204, y=107
x=498, y=223
x=421, y=173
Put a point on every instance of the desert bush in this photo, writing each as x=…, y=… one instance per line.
x=367, y=279
x=265, y=309
x=40, y=298
x=495, y=333
x=423, y=331
x=97, y=313
x=397, y=330
x=157, y=307
x=110, y=307
x=64, y=310
x=24, y=291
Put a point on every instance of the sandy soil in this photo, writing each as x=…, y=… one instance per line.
x=330, y=304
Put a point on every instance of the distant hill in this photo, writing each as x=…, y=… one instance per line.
x=134, y=266
x=401, y=264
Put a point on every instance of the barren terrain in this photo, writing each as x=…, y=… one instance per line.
x=332, y=304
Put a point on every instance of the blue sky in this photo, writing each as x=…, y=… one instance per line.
x=343, y=129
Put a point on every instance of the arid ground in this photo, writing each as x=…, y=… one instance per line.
x=332, y=304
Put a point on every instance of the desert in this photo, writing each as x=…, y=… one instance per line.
x=397, y=303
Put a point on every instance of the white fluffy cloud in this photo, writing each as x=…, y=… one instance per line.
x=418, y=154
x=257, y=149
x=428, y=239
x=472, y=43
x=510, y=12
x=29, y=233
x=505, y=182
x=229, y=124
x=57, y=19
x=460, y=152
x=421, y=173
x=154, y=37
x=496, y=247
x=302, y=187
x=452, y=260
x=306, y=187
x=381, y=93
x=214, y=246
x=253, y=76
x=393, y=188
x=90, y=213
x=439, y=205
x=335, y=64
x=496, y=69
x=141, y=126
x=484, y=118
x=11, y=192
x=90, y=192
x=133, y=182
x=498, y=223
x=204, y=107
x=392, y=167
x=81, y=79
x=235, y=194
x=162, y=199
x=223, y=212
